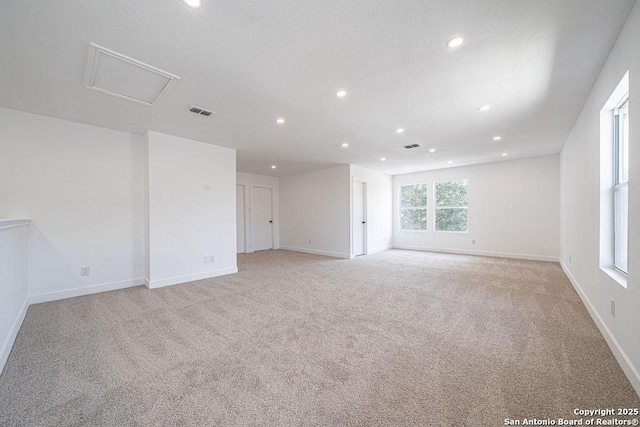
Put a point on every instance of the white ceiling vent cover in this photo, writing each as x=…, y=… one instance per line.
x=118, y=75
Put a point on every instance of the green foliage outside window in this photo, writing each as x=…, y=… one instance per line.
x=413, y=207
x=451, y=219
x=452, y=199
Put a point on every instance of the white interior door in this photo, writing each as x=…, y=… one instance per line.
x=359, y=226
x=262, y=219
x=240, y=222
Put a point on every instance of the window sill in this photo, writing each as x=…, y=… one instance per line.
x=616, y=275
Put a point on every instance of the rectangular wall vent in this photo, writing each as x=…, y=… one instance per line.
x=411, y=146
x=200, y=111
x=118, y=75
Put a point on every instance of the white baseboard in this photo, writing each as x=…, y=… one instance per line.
x=378, y=249
x=13, y=333
x=627, y=367
x=88, y=290
x=154, y=284
x=316, y=252
x=545, y=258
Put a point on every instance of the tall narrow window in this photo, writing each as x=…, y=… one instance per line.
x=614, y=183
x=621, y=185
x=452, y=200
x=413, y=207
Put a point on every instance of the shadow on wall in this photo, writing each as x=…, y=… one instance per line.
x=47, y=270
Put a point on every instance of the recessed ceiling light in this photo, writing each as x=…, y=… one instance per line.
x=432, y=150
x=497, y=138
x=341, y=93
x=399, y=130
x=280, y=121
x=450, y=162
x=485, y=108
x=505, y=154
x=382, y=159
x=196, y=4
x=273, y=166
x=345, y=145
x=455, y=42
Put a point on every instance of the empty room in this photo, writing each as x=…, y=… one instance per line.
x=332, y=213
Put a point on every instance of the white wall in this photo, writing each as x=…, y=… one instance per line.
x=315, y=206
x=191, y=189
x=513, y=210
x=250, y=180
x=379, y=208
x=580, y=208
x=13, y=283
x=82, y=186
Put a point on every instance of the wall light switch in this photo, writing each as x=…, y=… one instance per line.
x=85, y=271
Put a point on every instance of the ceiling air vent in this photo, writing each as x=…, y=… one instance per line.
x=127, y=78
x=411, y=146
x=200, y=111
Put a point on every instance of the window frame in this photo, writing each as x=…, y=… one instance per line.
x=617, y=184
x=401, y=208
x=435, y=206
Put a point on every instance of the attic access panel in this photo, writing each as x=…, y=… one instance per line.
x=118, y=75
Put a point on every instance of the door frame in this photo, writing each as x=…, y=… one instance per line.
x=273, y=224
x=365, y=206
x=244, y=217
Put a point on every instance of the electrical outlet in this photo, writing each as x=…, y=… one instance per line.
x=85, y=271
x=613, y=308
x=569, y=259
x=206, y=187
x=473, y=242
x=212, y=258
x=209, y=259
x=309, y=241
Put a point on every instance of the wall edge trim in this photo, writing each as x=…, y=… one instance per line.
x=155, y=284
x=87, y=290
x=316, y=252
x=545, y=258
x=13, y=334
x=627, y=367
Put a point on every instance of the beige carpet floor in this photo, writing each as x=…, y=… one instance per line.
x=394, y=338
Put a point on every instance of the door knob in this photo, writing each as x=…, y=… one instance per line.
x=363, y=222
x=270, y=222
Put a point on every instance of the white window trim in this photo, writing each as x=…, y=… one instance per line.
x=400, y=208
x=607, y=180
x=617, y=185
x=435, y=207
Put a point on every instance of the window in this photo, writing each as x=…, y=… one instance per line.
x=452, y=199
x=621, y=184
x=413, y=207
x=614, y=183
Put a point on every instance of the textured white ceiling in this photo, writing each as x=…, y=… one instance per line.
x=251, y=61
